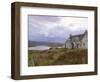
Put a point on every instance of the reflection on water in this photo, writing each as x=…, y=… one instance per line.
x=41, y=47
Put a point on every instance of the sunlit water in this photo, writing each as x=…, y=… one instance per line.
x=41, y=47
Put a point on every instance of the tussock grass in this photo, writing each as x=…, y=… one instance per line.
x=57, y=56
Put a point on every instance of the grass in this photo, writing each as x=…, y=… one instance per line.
x=57, y=56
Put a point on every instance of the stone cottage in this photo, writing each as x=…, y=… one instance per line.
x=77, y=41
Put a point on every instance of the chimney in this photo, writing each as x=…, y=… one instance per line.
x=85, y=32
x=70, y=36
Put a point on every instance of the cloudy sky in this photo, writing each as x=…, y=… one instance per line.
x=55, y=28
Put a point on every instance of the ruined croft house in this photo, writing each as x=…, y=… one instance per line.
x=77, y=41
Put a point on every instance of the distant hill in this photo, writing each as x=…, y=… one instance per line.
x=37, y=43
